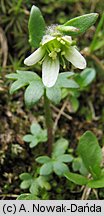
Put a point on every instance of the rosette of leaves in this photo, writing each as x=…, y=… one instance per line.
x=36, y=186
x=91, y=158
x=56, y=163
x=37, y=135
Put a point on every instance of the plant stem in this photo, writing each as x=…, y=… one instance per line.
x=49, y=123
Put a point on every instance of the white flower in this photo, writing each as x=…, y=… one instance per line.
x=53, y=50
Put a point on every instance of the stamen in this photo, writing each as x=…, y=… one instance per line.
x=58, y=38
x=57, y=50
x=53, y=55
x=62, y=42
x=63, y=53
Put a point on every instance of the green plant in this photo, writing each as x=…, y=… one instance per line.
x=37, y=135
x=55, y=47
x=57, y=162
x=36, y=185
x=91, y=156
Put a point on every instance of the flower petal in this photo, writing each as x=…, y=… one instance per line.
x=50, y=70
x=73, y=56
x=34, y=57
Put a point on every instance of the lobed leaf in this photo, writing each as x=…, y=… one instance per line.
x=22, y=78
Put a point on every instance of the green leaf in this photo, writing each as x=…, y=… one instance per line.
x=36, y=27
x=42, y=137
x=99, y=183
x=90, y=153
x=69, y=84
x=82, y=23
x=35, y=128
x=16, y=86
x=43, y=159
x=27, y=197
x=34, y=142
x=28, y=138
x=59, y=147
x=65, y=158
x=64, y=82
x=86, y=77
x=33, y=93
x=25, y=184
x=96, y=42
x=78, y=165
x=34, y=189
x=27, y=76
x=25, y=176
x=32, y=197
x=12, y=76
x=22, y=78
x=83, y=170
x=46, y=169
x=76, y=178
x=99, y=44
x=65, y=93
x=42, y=181
x=22, y=197
x=66, y=74
x=60, y=168
x=54, y=94
x=31, y=139
x=74, y=104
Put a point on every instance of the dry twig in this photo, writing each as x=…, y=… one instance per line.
x=59, y=115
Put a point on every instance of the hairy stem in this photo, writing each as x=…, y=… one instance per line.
x=49, y=123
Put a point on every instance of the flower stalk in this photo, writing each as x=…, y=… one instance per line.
x=49, y=123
